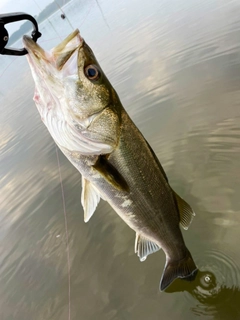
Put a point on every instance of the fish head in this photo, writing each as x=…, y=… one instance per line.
x=74, y=97
x=86, y=88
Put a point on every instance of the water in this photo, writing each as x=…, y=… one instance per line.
x=176, y=66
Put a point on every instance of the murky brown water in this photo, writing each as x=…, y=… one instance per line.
x=176, y=67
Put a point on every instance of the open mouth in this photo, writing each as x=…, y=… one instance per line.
x=64, y=49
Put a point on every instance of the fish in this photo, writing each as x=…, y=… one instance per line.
x=87, y=121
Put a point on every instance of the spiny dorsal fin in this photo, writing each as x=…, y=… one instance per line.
x=89, y=199
x=144, y=247
x=185, y=211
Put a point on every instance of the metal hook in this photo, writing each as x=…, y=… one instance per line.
x=13, y=17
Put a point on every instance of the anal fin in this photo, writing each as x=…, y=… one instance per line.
x=89, y=199
x=185, y=211
x=144, y=247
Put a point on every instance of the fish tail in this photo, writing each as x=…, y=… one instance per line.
x=184, y=268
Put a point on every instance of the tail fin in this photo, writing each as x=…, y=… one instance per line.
x=184, y=268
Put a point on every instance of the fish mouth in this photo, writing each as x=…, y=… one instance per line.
x=34, y=49
x=69, y=44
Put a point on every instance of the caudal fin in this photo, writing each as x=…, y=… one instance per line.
x=184, y=268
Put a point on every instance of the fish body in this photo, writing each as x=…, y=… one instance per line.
x=85, y=117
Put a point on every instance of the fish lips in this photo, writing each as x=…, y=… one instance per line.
x=61, y=52
x=34, y=50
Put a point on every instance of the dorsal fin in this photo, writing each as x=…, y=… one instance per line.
x=144, y=247
x=89, y=199
x=185, y=211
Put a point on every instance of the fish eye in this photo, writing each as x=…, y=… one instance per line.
x=92, y=72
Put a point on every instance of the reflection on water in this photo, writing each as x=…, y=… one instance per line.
x=175, y=65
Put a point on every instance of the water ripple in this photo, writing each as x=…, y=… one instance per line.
x=217, y=287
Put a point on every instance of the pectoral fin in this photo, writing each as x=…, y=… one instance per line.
x=110, y=173
x=144, y=247
x=185, y=211
x=90, y=199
